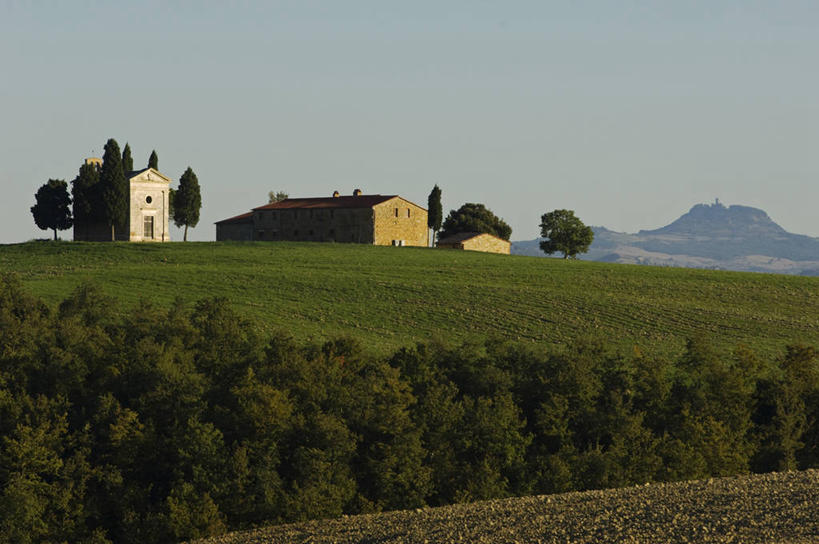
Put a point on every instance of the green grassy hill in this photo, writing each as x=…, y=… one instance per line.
x=389, y=297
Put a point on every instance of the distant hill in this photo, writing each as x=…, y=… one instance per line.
x=708, y=236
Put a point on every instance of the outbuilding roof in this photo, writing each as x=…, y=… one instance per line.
x=460, y=237
x=464, y=236
x=335, y=202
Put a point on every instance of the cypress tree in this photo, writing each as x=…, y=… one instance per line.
x=53, y=206
x=114, y=188
x=153, y=161
x=187, y=202
x=127, y=161
x=171, y=199
x=435, y=213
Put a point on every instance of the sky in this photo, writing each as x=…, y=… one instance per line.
x=626, y=112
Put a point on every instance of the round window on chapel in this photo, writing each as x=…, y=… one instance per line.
x=148, y=199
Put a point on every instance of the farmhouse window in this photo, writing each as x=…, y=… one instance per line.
x=408, y=212
x=148, y=227
x=396, y=212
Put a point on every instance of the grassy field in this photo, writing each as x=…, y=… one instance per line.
x=389, y=297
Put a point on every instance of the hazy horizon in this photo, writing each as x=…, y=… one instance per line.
x=627, y=113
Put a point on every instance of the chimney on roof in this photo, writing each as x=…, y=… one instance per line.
x=336, y=194
x=357, y=192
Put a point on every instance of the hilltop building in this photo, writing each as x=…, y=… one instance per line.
x=364, y=219
x=476, y=241
x=148, y=207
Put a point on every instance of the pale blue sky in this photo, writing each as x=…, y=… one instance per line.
x=627, y=112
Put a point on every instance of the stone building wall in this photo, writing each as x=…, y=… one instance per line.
x=314, y=225
x=488, y=244
x=149, y=200
x=241, y=232
x=394, y=221
x=400, y=220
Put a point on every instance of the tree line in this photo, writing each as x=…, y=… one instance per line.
x=100, y=195
x=162, y=424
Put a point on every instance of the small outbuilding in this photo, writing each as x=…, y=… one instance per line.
x=476, y=241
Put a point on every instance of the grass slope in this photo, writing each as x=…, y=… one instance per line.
x=390, y=297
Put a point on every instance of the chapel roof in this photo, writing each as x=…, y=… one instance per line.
x=134, y=173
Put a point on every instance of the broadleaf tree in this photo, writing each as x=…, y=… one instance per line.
x=52, y=209
x=564, y=232
x=474, y=218
x=435, y=213
x=114, y=188
x=276, y=196
x=187, y=202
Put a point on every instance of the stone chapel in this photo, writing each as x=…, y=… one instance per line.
x=148, y=206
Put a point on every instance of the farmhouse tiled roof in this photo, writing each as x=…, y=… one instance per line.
x=245, y=217
x=335, y=202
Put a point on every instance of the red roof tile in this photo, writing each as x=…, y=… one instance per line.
x=362, y=201
x=245, y=217
x=464, y=236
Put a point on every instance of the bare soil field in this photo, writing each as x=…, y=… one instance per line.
x=779, y=507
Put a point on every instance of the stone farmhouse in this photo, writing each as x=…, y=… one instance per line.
x=381, y=220
x=148, y=206
x=476, y=241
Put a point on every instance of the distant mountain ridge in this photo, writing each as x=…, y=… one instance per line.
x=707, y=236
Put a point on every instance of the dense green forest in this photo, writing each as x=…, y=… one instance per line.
x=166, y=423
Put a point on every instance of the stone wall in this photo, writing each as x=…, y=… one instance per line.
x=488, y=243
x=400, y=220
x=149, y=199
x=241, y=232
x=314, y=225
